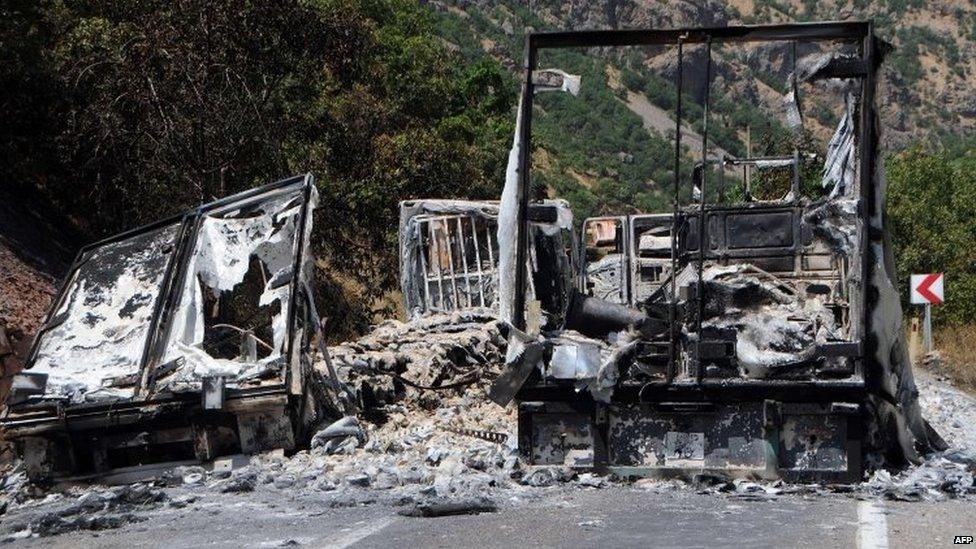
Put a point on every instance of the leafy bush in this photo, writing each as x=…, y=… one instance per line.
x=931, y=200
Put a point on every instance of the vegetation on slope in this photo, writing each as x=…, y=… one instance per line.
x=131, y=111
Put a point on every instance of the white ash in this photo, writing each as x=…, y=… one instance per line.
x=414, y=453
x=97, y=508
x=946, y=474
x=463, y=347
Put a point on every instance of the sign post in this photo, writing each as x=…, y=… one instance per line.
x=928, y=290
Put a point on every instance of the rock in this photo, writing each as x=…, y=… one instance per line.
x=412, y=475
x=590, y=480
x=361, y=480
x=345, y=446
x=434, y=455
x=326, y=485
x=385, y=481
x=286, y=480
x=508, y=28
x=181, y=502
x=540, y=477
x=242, y=482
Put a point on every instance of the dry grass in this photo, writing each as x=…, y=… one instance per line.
x=957, y=349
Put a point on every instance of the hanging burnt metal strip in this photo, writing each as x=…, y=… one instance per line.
x=521, y=218
x=464, y=258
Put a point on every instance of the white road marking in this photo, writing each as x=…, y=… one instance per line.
x=358, y=534
x=872, y=526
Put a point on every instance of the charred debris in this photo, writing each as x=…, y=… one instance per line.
x=757, y=339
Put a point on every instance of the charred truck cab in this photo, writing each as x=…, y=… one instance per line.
x=182, y=340
x=730, y=339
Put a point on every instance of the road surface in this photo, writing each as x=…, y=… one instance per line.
x=618, y=516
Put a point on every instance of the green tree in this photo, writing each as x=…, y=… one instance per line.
x=932, y=219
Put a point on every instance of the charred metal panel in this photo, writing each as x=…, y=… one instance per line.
x=725, y=437
x=743, y=232
x=265, y=430
x=449, y=256
x=759, y=230
x=813, y=438
x=92, y=345
x=749, y=438
x=555, y=434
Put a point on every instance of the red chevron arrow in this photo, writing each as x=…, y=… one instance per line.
x=924, y=290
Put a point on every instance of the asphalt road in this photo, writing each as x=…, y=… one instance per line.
x=611, y=517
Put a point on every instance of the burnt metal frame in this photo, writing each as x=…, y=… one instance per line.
x=176, y=269
x=625, y=245
x=861, y=32
x=425, y=223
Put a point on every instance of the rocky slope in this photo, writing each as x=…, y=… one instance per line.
x=925, y=92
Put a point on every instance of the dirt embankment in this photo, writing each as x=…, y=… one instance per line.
x=36, y=247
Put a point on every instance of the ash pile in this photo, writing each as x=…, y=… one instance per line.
x=421, y=434
x=421, y=362
x=425, y=430
x=946, y=473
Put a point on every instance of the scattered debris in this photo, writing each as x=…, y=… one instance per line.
x=98, y=509
x=417, y=362
x=941, y=476
x=449, y=508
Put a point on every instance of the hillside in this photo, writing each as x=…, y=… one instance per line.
x=614, y=140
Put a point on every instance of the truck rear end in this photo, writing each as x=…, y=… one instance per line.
x=745, y=337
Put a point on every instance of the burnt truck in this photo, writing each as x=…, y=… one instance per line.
x=754, y=338
x=186, y=339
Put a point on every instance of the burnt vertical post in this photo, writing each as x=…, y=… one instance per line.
x=866, y=154
x=524, y=187
x=293, y=376
x=672, y=305
x=795, y=186
x=702, y=240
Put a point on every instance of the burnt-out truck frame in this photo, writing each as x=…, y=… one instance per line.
x=143, y=358
x=681, y=401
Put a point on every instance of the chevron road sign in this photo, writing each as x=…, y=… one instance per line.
x=928, y=289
